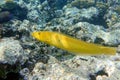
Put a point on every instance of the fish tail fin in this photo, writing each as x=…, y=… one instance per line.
x=109, y=50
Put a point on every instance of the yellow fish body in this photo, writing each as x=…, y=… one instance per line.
x=71, y=44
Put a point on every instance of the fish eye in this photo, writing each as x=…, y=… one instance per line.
x=39, y=33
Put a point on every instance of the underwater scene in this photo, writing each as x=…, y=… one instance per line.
x=59, y=39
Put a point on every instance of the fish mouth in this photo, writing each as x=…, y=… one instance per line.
x=34, y=34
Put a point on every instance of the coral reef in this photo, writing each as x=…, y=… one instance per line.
x=91, y=68
x=5, y=16
x=94, y=21
x=117, y=9
x=15, y=10
x=11, y=55
x=82, y=3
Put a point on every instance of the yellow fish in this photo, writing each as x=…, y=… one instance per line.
x=70, y=44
